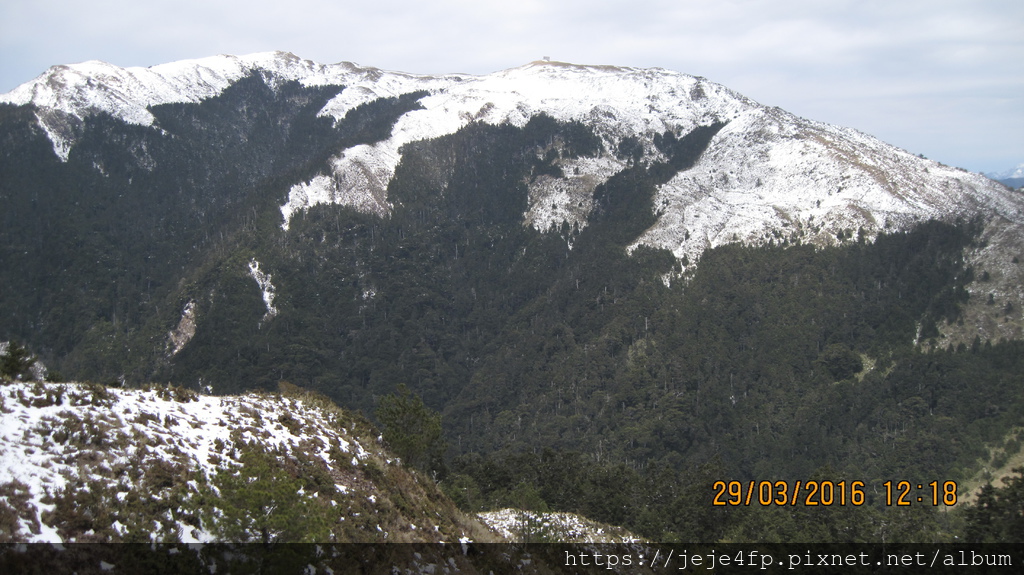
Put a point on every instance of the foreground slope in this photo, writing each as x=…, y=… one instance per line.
x=87, y=463
x=82, y=463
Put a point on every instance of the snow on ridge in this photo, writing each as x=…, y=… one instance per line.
x=618, y=102
x=66, y=94
x=769, y=176
x=1016, y=172
x=765, y=171
x=764, y=174
x=95, y=86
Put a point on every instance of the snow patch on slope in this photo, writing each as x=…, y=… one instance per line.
x=569, y=199
x=359, y=179
x=530, y=526
x=268, y=289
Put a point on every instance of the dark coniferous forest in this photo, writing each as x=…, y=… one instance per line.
x=570, y=372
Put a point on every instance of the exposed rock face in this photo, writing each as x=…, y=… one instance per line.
x=186, y=330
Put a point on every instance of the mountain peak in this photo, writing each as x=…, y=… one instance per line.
x=574, y=66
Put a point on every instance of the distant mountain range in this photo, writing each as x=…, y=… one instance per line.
x=1014, y=177
x=636, y=266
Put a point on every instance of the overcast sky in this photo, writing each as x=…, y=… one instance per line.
x=940, y=78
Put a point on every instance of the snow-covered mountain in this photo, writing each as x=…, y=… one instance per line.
x=766, y=174
x=1014, y=177
x=614, y=269
x=1017, y=172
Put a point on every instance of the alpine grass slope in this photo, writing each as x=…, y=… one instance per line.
x=83, y=463
x=88, y=463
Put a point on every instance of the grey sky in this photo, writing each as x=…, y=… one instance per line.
x=941, y=78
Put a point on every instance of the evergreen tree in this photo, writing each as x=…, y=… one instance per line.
x=17, y=362
x=263, y=503
x=998, y=514
x=411, y=429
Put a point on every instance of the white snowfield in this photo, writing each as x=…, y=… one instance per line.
x=766, y=176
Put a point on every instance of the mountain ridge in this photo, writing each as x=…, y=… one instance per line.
x=766, y=170
x=764, y=176
x=1013, y=177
